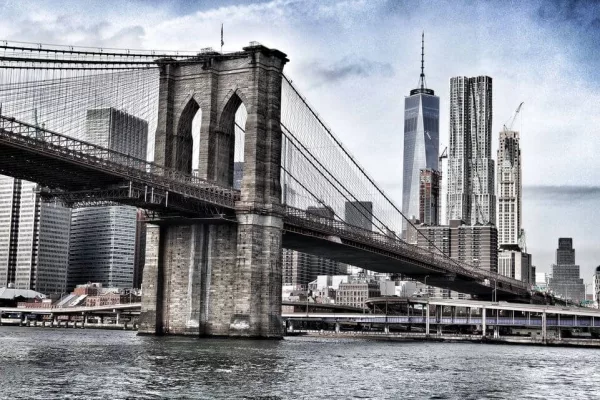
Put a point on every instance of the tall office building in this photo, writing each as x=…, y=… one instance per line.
x=103, y=239
x=476, y=245
x=513, y=259
x=118, y=131
x=565, y=279
x=516, y=264
x=421, y=141
x=359, y=213
x=103, y=246
x=471, y=186
x=429, y=197
x=34, y=238
x=509, y=190
x=299, y=269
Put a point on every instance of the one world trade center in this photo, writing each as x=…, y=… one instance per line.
x=421, y=140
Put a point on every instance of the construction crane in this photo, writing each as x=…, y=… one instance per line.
x=443, y=155
x=511, y=121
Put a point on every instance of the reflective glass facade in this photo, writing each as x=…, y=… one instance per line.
x=103, y=239
x=421, y=145
x=34, y=238
x=102, y=246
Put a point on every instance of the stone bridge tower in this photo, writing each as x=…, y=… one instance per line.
x=219, y=279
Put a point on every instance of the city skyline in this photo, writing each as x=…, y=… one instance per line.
x=547, y=63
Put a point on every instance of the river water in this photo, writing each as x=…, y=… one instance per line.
x=43, y=363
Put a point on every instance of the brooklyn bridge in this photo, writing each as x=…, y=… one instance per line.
x=213, y=257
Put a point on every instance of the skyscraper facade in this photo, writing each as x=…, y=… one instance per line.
x=118, y=131
x=34, y=238
x=103, y=239
x=475, y=245
x=513, y=260
x=471, y=190
x=509, y=190
x=359, y=213
x=429, y=197
x=421, y=142
x=299, y=269
x=103, y=246
x=565, y=280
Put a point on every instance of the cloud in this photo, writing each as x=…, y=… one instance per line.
x=563, y=193
x=349, y=67
x=562, y=10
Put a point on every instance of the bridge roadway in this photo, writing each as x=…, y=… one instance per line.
x=80, y=172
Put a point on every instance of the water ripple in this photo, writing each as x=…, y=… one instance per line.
x=48, y=363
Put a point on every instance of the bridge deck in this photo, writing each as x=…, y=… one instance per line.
x=87, y=173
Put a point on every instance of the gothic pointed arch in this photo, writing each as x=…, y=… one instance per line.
x=184, y=140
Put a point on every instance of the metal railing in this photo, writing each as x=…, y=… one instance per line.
x=111, y=162
x=332, y=227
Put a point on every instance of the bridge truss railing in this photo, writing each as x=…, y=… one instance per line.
x=51, y=143
x=316, y=222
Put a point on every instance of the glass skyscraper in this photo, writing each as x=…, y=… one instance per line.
x=421, y=141
x=34, y=238
x=103, y=239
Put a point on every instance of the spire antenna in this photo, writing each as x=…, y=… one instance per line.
x=422, y=60
x=422, y=86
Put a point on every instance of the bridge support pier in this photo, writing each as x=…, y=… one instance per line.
x=220, y=279
x=496, y=332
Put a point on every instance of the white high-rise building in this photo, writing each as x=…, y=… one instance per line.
x=471, y=189
x=509, y=190
x=514, y=261
x=103, y=239
x=34, y=238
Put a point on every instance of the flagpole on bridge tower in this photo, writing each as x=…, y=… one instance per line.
x=222, y=42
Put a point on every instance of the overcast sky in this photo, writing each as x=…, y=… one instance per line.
x=356, y=60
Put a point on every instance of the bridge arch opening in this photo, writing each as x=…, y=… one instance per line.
x=233, y=126
x=187, y=139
